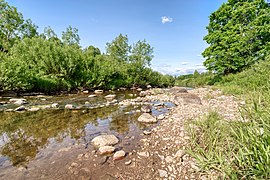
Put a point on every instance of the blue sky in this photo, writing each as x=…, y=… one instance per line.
x=175, y=28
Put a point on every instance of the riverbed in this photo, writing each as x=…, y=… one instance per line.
x=42, y=139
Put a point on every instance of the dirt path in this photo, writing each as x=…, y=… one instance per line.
x=159, y=155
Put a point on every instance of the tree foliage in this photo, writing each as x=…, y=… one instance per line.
x=33, y=62
x=238, y=36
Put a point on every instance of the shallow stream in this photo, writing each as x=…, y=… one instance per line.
x=27, y=138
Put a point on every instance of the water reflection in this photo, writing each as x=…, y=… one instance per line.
x=24, y=135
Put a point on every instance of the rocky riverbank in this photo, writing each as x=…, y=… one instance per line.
x=158, y=153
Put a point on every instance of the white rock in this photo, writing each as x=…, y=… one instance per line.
x=119, y=155
x=110, y=96
x=147, y=118
x=55, y=105
x=160, y=117
x=169, y=159
x=21, y=108
x=180, y=153
x=92, y=95
x=98, y=91
x=104, y=140
x=162, y=173
x=33, y=109
x=128, y=162
x=143, y=154
x=20, y=102
x=16, y=99
x=106, y=150
x=69, y=106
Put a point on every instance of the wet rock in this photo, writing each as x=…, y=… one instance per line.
x=92, y=95
x=99, y=91
x=162, y=173
x=146, y=109
x=55, y=105
x=69, y=106
x=147, y=118
x=21, y=108
x=119, y=155
x=110, y=96
x=106, y=150
x=104, y=140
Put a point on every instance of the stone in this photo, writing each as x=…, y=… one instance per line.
x=148, y=86
x=99, y=91
x=139, y=89
x=69, y=106
x=55, y=105
x=160, y=117
x=16, y=99
x=162, y=173
x=146, y=109
x=187, y=98
x=169, y=159
x=146, y=132
x=33, y=109
x=128, y=162
x=119, y=155
x=106, y=150
x=143, y=154
x=21, y=108
x=92, y=95
x=147, y=118
x=104, y=140
x=179, y=154
x=110, y=96
x=85, y=92
x=20, y=102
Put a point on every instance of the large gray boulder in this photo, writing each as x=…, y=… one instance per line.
x=147, y=118
x=104, y=140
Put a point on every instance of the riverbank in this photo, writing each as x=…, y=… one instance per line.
x=158, y=153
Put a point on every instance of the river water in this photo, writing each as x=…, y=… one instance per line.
x=34, y=139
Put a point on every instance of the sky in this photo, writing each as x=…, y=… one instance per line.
x=175, y=28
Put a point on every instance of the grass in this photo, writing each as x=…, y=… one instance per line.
x=237, y=149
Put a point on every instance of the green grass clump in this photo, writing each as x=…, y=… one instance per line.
x=238, y=149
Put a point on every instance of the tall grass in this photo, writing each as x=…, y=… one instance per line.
x=238, y=149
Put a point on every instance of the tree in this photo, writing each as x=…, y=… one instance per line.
x=10, y=22
x=140, y=58
x=28, y=29
x=119, y=48
x=71, y=36
x=238, y=36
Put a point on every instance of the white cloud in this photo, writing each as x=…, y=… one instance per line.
x=173, y=70
x=166, y=19
x=184, y=63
